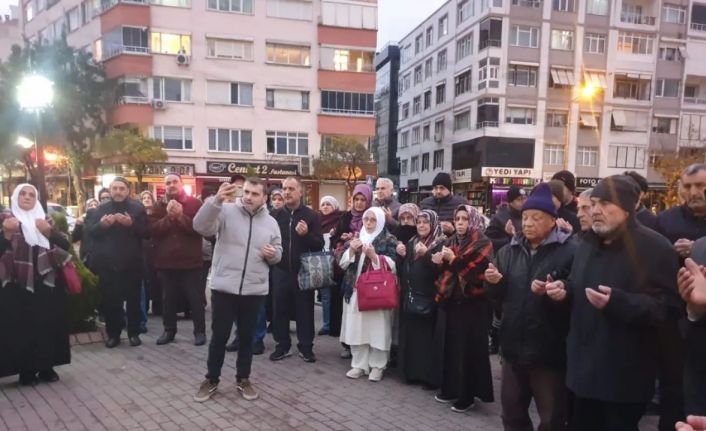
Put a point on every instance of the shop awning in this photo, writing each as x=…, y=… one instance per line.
x=596, y=79
x=563, y=77
x=682, y=51
x=643, y=76
x=588, y=120
x=619, y=118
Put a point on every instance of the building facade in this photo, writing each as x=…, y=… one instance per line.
x=9, y=33
x=384, y=145
x=510, y=91
x=229, y=86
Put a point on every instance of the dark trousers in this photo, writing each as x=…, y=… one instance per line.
x=177, y=283
x=592, y=415
x=670, y=371
x=118, y=287
x=520, y=385
x=226, y=307
x=288, y=301
x=695, y=370
x=336, y=311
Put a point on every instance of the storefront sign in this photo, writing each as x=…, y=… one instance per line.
x=259, y=169
x=155, y=169
x=587, y=182
x=461, y=176
x=509, y=172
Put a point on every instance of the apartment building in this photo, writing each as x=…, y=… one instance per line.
x=384, y=145
x=229, y=86
x=507, y=92
x=9, y=32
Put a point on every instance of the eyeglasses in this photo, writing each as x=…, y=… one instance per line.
x=370, y=219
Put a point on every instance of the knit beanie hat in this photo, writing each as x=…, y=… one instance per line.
x=515, y=192
x=621, y=190
x=541, y=199
x=567, y=178
x=442, y=179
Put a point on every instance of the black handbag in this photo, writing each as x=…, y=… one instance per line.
x=418, y=304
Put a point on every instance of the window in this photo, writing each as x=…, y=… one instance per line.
x=418, y=44
x=664, y=125
x=527, y=3
x=490, y=33
x=73, y=19
x=403, y=167
x=291, y=9
x=347, y=103
x=414, y=164
x=288, y=143
x=667, y=88
x=348, y=60
x=229, y=93
x=288, y=54
x=357, y=15
x=427, y=100
x=462, y=83
x=522, y=76
x=488, y=73
x=171, y=90
x=41, y=5
x=417, y=105
x=243, y=6
x=556, y=119
x=407, y=81
x=230, y=140
x=441, y=61
x=462, y=121
x=429, y=36
x=553, y=154
x=631, y=88
x=418, y=75
x=630, y=121
x=625, y=156
x=464, y=10
x=406, y=54
x=171, y=43
x=525, y=36
x=426, y=133
x=292, y=100
x=443, y=25
x=232, y=49
x=674, y=14
x=597, y=7
x=133, y=90
x=428, y=67
x=86, y=11
x=563, y=5
x=425, y=162
x=464, y=46
x=438, y=159
x=172, y=3
x=667, y=53
x=439, y=128
x=563, y=39
x=174, y=137
x=488, y=112
x=587, y=156
x=635, y=43
x=594, y=43
x=29, y=11
x=441, y=93
x=404, y=139
x=405, y=111
x=519, y=115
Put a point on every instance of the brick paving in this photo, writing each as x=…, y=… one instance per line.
x=151, y=388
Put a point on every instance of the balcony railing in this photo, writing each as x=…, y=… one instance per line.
x=527, y=3
x=489, y=42
x=698, y=26
x=135, y=100
x=695, y=101
x=484, y=124
x=108, y=4
x=634, y=18
x=356, y=112
x=114, y=50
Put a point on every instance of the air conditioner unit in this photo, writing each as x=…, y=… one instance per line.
x=158, y=105
x=182, y=59
x=305, y=166
x=437, y=137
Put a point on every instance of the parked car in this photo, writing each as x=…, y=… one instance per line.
x=59, y=209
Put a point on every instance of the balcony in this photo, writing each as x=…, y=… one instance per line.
x=496, y=43
x=632, y=18
x=109, y=4
x=697, y=26
x=633, y=87
x=698, y=18
x=695, y=91
x=115, y=50
x=485, y=124
x=638, y=13
x=527, y=3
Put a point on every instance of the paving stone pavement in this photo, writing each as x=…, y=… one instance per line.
x=151, y=388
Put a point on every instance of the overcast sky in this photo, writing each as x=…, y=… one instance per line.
x=5, y=6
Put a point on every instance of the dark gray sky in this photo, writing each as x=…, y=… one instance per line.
x=396, y=18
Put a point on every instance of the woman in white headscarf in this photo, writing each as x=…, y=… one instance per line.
x=34, y=332
x=368, y=333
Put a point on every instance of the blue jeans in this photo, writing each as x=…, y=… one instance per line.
x=143, y=308
x=326, y=308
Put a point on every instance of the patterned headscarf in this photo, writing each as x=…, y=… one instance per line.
x=476, y=223
x=409, y=208
x=357, y=219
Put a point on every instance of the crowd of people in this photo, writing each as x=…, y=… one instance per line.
x=594, y=303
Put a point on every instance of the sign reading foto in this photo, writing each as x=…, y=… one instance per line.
x=508, y=172
x=259, y=169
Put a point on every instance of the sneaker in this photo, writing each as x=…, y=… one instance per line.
x=444, y=399
x=307, y=356
x=112, y=342
x=355, y=373
x=232, y=346
x=199, y=339
x=462, y=407
x=346, y=354
x=206, y=391
x=28, y=379
x=166, y=338
x=135, y=340
x=247, y=390
x=323, y=331
x=48, y=376
x=258, y=348
x=279, y=354
x=375, y=375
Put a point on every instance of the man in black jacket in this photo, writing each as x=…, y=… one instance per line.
x=443, y=202
x=301, y=233
x=622, y=287
x=643, y=215
x=117, y=228
x=508, y=219
x=533, y=330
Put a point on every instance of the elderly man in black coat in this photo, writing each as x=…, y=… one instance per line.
x=622, y=287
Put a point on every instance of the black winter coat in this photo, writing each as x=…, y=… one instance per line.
x=646, y=217
x=496, y=227
x=679, y=222
x=533, y=330
x=444, y=207
x=612, y=352
x=343, y=226
x=294, y=245
x=117, y=247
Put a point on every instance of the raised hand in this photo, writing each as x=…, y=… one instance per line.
x=492, y=275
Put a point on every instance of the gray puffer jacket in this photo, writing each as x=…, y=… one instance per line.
x=238, y=264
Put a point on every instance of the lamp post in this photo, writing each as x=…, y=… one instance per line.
x=34, y=94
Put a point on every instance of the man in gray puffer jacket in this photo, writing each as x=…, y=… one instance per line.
x=248, y=243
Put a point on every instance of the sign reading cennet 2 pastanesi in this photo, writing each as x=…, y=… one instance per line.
x=489, y=171
x=259, y=169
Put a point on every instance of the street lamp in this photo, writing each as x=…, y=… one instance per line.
x=34, y=94
x=585, y=93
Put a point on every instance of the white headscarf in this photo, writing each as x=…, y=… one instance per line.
x=368, y=238
x=331, y=200
x=28, y=219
